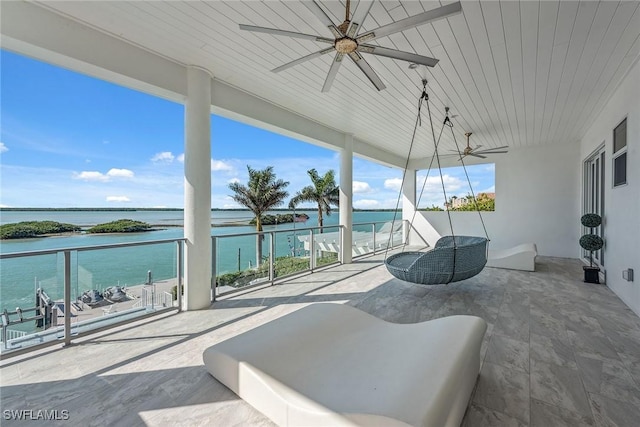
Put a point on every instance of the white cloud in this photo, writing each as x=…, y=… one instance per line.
x=233, y=180
x=163, y=157
x=118, y=199
x=366, y=204
x=434, y=183
x=91, y=176
x=180, y=158
x=120, y=173
x=96, y=176
x=3, y=148
x=361, y=187
x=393, y=184
x=219, y=165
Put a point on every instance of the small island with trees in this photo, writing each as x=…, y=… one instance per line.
x=120, y=226
x=32, y=229
x=280, y=219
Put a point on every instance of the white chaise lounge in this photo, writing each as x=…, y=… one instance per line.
x=332, y=364
x=521, y=257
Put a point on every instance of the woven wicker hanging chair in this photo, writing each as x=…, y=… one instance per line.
x=445, y=263
x=453, y=258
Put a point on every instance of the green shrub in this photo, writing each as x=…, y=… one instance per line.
x=484, y=203
x=174, y=292
x=591, y=220
x=284, y=266
x=591, y=242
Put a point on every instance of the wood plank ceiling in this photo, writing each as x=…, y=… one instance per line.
x=514, y=73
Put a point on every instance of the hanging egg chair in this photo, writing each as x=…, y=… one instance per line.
x=453, y=258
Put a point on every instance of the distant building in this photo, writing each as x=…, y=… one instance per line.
x=459, y=202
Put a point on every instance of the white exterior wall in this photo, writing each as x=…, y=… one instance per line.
x=622, y=204
x=537, y=200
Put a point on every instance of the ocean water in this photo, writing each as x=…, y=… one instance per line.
x=99, y=269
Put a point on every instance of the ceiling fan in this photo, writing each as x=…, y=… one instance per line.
x=469, y=151
x=346, y=40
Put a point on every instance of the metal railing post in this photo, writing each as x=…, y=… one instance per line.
x=312, y=251
x=4, y=333
x=373, y=230
x=341, y=230
x=214, y=256
x=67, y=298
x=180, y=273
x=272, y=257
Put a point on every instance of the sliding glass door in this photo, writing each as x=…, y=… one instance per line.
x=593, y=200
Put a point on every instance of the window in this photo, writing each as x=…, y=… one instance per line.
x=620, y=154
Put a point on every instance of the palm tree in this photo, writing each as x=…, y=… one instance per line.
x=324, y=192
x=262, y=192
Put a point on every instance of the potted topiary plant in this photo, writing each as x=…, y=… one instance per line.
x=591, y=242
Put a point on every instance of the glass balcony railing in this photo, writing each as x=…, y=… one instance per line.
x=372, y=237
x=54, y=296
x=250, y=259
x=243, y=260
x=57, y=295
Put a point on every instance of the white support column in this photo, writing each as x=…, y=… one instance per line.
x=197, y=190
x=346, y=198
x=408, y=200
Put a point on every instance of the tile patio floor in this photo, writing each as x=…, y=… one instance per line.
x=558, y=352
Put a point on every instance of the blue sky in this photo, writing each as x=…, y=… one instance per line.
x=69, y=140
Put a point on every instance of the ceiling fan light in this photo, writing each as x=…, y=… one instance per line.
x=346, y=45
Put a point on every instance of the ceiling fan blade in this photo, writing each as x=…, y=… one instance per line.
x=367, y=70
x=477, y=155
x=315, y=8
x=335, y=66
x=496, y=148
x=277, y=32
x=364, y=6
x=491, y=152
x=477, y=146
x=410, y=22
x=303, y=59
x=398, y=54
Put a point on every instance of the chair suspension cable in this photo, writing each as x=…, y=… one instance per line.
x=404, y=173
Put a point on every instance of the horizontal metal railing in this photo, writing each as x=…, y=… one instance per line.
x=52, y=336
